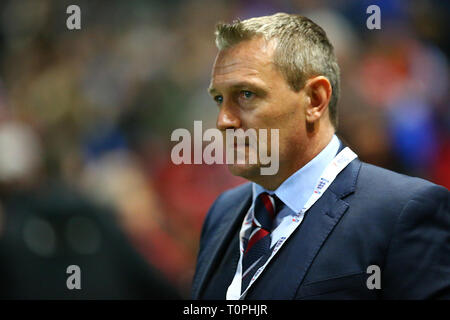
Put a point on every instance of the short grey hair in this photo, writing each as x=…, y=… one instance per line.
x=302, y=49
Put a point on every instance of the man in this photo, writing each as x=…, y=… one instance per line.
x=326, y=225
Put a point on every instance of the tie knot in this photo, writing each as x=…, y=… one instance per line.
x=265, y=210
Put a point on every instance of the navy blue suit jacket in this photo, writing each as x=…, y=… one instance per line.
x=368, y=216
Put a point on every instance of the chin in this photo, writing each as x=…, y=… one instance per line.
x=246, y=171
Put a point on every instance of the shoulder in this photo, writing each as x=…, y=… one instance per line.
x=387, y=182
x=381, y=188
x=412, y=215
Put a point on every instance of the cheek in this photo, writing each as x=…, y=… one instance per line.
x=271, y=117
x=292, y=134
x=287, y=110
x=291, y=126
x=280, y=113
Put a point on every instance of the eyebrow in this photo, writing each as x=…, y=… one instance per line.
x=240, y=84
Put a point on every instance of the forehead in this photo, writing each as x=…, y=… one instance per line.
x=248, y=60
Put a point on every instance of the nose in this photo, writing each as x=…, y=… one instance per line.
x=228, y=118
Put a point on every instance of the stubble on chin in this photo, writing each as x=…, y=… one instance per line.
x=247, y=171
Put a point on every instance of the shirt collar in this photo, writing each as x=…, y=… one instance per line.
x=296, y=190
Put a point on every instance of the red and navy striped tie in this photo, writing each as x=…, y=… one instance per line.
x=258, y=246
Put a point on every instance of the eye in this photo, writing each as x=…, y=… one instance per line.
x=218, y=99
x=247, y=94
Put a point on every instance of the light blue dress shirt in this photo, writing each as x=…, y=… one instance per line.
x=296, y=190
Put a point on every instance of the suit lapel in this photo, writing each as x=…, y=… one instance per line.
x=233, y=218
x=318, y=224
x=279, y=282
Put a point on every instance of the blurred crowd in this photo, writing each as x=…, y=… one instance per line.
x=93, y=109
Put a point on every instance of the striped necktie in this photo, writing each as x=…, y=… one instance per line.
x=258, y=246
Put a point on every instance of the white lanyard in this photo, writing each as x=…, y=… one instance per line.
x=329, y=174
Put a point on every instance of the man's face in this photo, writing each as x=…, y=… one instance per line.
x=252, y=93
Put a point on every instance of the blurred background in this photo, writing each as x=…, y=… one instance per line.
x=86, y=117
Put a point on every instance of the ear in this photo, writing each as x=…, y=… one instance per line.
x=318, y=89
